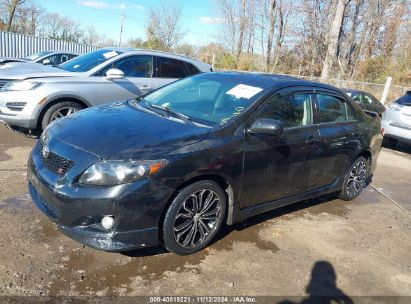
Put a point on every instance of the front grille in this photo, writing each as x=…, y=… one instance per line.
x=3, y=82
x=55, y=163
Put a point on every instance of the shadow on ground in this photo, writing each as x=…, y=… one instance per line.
x=322, y=287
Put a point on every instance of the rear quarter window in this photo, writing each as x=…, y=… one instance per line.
x=171, y=68
x=192, y=69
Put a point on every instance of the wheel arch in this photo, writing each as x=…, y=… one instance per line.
x=52, y=102
x=220, y=180
x=366, y=153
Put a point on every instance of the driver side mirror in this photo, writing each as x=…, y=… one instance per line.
x=46, y=61
x=114, y=74
x=266, y=126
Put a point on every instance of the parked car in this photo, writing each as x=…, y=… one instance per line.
x=32, y=98
x=44, y=57
x=367, y=102
x=396, y=122
x=173, y=166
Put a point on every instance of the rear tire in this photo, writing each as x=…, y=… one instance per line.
x=355, y=179
x=59, y=110
x=194, y=217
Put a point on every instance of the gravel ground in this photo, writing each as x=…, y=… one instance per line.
x=318, y=247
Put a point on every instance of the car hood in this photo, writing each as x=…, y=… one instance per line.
x=122, y=131
x=29, y=70
x=5, y=60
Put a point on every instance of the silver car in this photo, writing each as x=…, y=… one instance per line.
x=44, y=57
x=396, y=122
x=30, y=98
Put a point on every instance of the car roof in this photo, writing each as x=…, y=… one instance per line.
x=352, y=90
x=276, y=80
x=153, y=52
x=63, y=52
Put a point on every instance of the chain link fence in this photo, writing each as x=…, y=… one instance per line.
x=375, y=89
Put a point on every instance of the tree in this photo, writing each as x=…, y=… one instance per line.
x=12, y=6
x=243, y=22
x=186, y=49
x=333, y=38
x=163, y=27
x=270, y=38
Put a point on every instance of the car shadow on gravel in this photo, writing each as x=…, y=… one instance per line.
x=247, y=230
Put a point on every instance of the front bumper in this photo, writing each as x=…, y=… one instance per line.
x=78, y=210
x=28, y=115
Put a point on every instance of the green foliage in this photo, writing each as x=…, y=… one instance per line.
x=377, y=69
x=373, y=69
x=226, y=61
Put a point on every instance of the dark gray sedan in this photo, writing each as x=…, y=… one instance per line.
x=366, y=101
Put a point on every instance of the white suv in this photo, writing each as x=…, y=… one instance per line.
x=31, y=98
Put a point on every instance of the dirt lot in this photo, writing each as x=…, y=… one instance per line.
x=323, y=246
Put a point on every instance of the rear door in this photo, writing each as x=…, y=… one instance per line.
x=338, y=130
x=279, y=166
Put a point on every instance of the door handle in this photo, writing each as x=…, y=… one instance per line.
x=145, y=87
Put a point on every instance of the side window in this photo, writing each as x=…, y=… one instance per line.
x=357, y=98
x=171, y=68
x=333, y=109
x=368, y=99
x=192, y=69
x=64, y=58
x=54, y=59
x=132, y=66
x=293, y=110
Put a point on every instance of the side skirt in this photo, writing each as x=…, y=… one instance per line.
x=235, y=214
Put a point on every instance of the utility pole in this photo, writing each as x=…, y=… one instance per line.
x=123, y=16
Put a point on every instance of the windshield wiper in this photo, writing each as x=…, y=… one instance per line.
x=169, y=111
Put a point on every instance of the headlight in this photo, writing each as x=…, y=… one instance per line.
x=21, y=85
x=395, y=107
x=110, y=173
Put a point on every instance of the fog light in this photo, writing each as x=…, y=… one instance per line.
x=107, y=222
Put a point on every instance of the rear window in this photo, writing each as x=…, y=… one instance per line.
x=192, y=69
x=405, y=100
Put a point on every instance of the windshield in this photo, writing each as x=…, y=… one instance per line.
x=212, y=99
x=405, y=100
x=88, y=61
x=37, y=55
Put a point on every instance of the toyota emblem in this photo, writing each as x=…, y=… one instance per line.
x=45, y=151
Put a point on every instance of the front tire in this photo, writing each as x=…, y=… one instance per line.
x=355, y=179
x=59, y=110
x=194, y=217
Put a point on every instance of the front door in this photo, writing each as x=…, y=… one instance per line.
x=137, y=80
x=280, y=166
